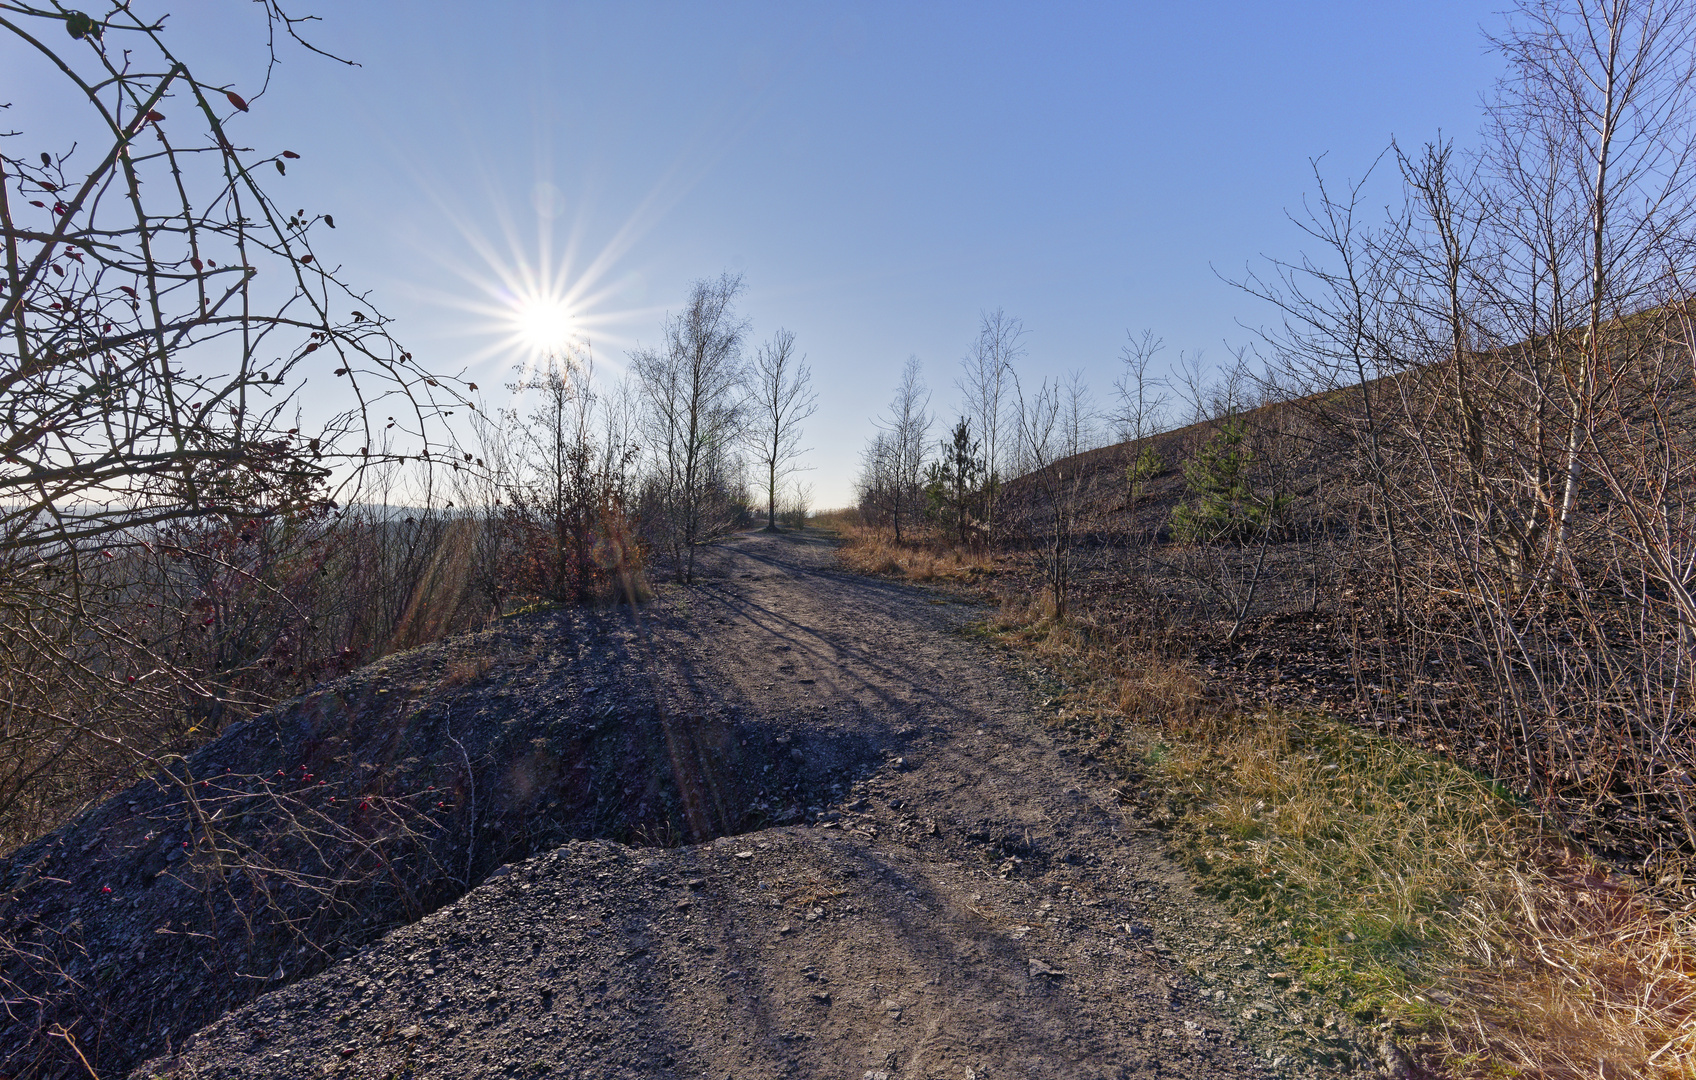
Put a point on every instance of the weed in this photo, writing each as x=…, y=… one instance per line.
x=533, y=607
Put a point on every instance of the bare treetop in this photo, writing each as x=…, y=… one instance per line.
x=1142, y=395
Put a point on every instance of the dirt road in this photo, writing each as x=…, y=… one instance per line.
x=972, y=903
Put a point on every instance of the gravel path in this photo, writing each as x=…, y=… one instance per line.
x=973, y=902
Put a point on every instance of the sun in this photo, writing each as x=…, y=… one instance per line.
x=537, y=299
x=545, y=325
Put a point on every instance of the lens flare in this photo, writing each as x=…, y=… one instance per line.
x=542, y=273
x=545, y=325
x=535, y=297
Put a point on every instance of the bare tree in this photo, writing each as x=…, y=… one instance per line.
x=906, y=434
x=692, y=417
x=1339, y=331
x=570, y=479
x=1240, y=387
x=780, y=397
x=876, y=489
x=1078, y=414
x=1056, y=483
x=484, y=490
x=1195, y=385
x=985, y=385
x=1504, y=349
x=1142, y=396
x=1615, y=79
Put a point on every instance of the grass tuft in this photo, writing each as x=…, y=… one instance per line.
x=466, y=671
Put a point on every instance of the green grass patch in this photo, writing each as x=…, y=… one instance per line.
x=1354, y=852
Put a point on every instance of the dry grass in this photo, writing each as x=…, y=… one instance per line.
x=1411, y=893
x=871, y=551
x=466, y=671
x=1568, y=974
x=836, y=522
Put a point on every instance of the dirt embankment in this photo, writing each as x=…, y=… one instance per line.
x=910, y=877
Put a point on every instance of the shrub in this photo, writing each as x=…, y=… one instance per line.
x=1138, y=473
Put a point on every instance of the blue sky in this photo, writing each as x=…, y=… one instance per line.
x=880, y=173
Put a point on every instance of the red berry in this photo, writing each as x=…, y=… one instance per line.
x=105, y=888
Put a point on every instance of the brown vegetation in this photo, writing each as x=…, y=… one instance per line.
x=870, y=551
x=1397, y=884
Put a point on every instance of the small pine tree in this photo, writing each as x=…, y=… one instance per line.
x=1138, y=473
x=1223, y=506
x=954, y=482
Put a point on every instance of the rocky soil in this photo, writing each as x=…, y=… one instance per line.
x=784, y=822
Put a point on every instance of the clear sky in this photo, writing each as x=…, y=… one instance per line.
x=880, y=173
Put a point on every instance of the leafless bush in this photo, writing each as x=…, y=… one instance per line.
x=1057, y=485
x=890, y=486
x=565, y=495
x=1509, y=355
x=166, y=496
x=1243, y=487
x=797, y=506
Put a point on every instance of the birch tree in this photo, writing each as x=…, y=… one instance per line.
x=906, y=433
x=780, y=397
x=1142, y=395
x=692, y=417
